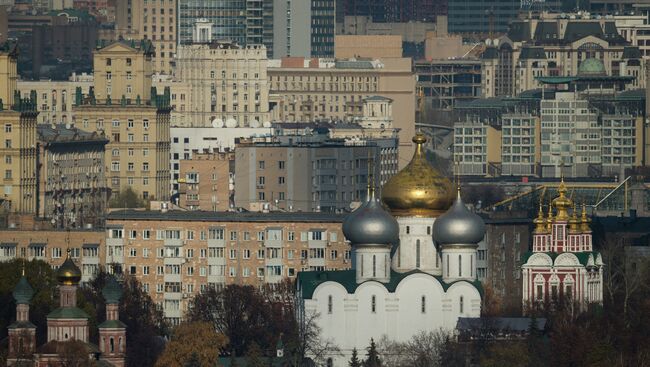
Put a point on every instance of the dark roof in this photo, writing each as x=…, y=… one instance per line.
x=536, y=53
x=60, y=134
x=353, y=64
x=490, y=53
x=22, y=325
x=579, y=30
x=519, y=31
x=631, y=52
x=546, y=31
x=111, y=324
x=520, y=324
x=310, y=280
x=611, y=33
x=208, y=216
x=68, y=313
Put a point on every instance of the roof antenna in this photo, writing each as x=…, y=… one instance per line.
x=457, y=176
x=371, y=178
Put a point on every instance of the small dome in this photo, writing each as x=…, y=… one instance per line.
x=418, y=189
x=112, y=291
x=23, y=292
x=458, y=226
x=68, y=273
x=591, y=67
x=370, y=224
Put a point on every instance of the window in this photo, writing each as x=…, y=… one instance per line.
x=129, y=123
x=329, y=304
x=260, y=164
x=374, y=265
x=373, y=304
x=423, y=305
x=7, y=128
x=460, y=265
x=408, y=229
x=461, y=305
x=291, y=236
x=281, y=164
x=116, y=123
x=56, y=252
x=146, y=234
x=233, y=253
x=417, y=254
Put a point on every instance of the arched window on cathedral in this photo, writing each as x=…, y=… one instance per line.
x=408, y=229
x=329, y=304
x=120, y=345
x=448, y=265
x=361, y=265
x=330, y=362
x=103, y=344
x=461, y=304
x=471, y=265
x=417, y=254
x=111, y=346
x=373, y=304
x=424, y=304
x=428, y=230
x=399, y=257
x=460, y=265
x=374, y=265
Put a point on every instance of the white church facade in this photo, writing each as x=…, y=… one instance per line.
x=413, y=265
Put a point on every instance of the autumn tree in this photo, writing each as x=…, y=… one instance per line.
x=311, y=343
x=74, y=353
x=500, y=354
x=254, y=357
x=190, y=339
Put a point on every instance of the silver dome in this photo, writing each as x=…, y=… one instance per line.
x=458, y=226
x=370, y=224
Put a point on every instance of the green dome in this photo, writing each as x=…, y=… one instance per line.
x=112, y=291
x=23, y=292
x=591, y=67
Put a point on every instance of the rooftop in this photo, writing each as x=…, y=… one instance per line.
x=61, y=133
x=209, y=216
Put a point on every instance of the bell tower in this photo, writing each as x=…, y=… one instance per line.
x=112, y=332
x=22, y=333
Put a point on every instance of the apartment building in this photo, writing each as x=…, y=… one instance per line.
x=326, y=89
x=56, y=98
x=72, y=190
x=176, y=254
x=18, y=147
x=520, y=144
x=477, y=146
x=207, y=181
x=219, y=84
x=310, y=174
x=87, y=247
x=155, y=21
x=133, y=116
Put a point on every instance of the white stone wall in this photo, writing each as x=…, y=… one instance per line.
x=412, y=230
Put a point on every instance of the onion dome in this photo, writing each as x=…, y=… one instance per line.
x=562, y=203
x=584, y=221
x=574, y=222
x=370, y=224
x=458, y=226
x=540, y=222
x=23, y=292
x=68, y=273
x=112, y=291
x=418, y=189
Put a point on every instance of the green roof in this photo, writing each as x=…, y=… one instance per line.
x=22, y=325
x=534, y=53
x=68, y=313
x=310, y=280
x=23, y=292
x=112, y=291
x=112, y=324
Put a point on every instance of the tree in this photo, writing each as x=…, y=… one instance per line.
x=354, y=361
x=127, y=198
x=500, y=354
x=372, y=357
x=310, y=340
x=73, y=353
x=424, y=349
x=254, y=356
x=193, y=361
x=190, y=339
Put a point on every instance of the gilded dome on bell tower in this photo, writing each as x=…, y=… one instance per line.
x=418, y=189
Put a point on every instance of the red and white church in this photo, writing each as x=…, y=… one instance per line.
x=562, y=264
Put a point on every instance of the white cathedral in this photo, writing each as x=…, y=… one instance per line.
x=413, y=268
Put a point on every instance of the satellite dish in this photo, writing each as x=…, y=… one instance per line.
x=255, y=123
x=217, y=123
x=496, y=42
x=488, y=42
x=231, y=122
x=267, y=124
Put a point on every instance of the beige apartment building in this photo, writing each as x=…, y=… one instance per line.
x=137, y=125
x=327, y=89
x=219, y=84
x=206, y=181
x=56, y=98
x=18, y=155
x=176, y=254
x=150, y=20
x=87, y=247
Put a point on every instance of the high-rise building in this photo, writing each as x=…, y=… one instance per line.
x=303, y=28
x=206, y=181
x=133, y=116
x=18, y=152
x=385, y=11
x=155, y=21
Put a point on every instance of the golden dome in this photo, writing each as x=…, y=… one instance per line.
x=584, y=221
x=418, y=189
x=68, y=273
x=540, y=222
x=549, y=220
x=574, y=222
x=562, y=203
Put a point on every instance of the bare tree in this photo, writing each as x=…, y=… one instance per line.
x=424, y=349
x=311, y=343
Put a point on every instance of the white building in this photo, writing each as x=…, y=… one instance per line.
x=411, y=272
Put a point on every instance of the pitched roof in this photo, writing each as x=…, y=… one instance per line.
x=546, y=31
x=68, y=313
x=310, y=280
x=519, y=31
x=631, y=52
x=490, y=53
x=536, y=53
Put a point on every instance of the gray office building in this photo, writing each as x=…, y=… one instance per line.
x=303, y=28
